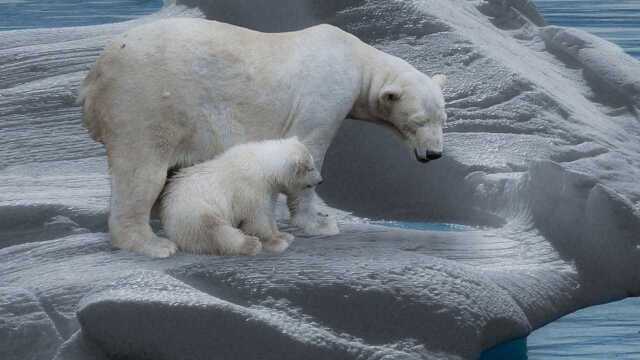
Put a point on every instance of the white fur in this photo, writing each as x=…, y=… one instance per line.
x=179, y=91
x=205, y=205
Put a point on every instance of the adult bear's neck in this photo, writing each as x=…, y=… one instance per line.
x=377, y=69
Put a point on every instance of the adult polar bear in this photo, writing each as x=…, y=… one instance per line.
x=179, y=91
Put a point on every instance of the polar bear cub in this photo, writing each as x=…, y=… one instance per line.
x=226, y=206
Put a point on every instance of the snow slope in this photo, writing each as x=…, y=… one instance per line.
x=541, y=152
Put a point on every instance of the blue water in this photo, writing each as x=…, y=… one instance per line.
x=29, y=14
x=610, y=331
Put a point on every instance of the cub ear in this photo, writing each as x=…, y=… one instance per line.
x=389, y=95
x=299, y=167
x=440, y=79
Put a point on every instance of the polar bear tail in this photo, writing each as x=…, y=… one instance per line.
x=86, y=97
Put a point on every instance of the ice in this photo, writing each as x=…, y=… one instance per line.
x=26, y=331
x=382, y=294
x=603, y=63
x=79, y=348
x=541, y=155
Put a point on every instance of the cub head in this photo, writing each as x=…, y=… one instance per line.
x=301, y=172
x=413, y=105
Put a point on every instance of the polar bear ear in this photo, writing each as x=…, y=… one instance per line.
x=440, y=79
x=298, y=166
x=389, y=95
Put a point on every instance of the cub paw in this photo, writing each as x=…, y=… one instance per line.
x=275, y=245
x=251, y=247
x=285, y=237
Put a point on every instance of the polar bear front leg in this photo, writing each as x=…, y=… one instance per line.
x=306, y=215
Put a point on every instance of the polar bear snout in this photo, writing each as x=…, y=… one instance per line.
x=428, y=143
x=427, y=156
x=434, y=155
x=315, y=179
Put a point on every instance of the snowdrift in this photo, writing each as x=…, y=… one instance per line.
x=541, y=154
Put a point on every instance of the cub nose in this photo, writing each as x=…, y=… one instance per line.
x=434, y=155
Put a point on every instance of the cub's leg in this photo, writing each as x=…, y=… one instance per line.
x=306, y=215
x=274, y=226
x=138, y=174
x=227, y=240
x=263, y=225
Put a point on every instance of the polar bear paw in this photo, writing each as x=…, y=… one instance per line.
x=285, y=237
x=276, y=245
x=318, y=224
x=159, y=247
x=279, y=243
x=251, y=246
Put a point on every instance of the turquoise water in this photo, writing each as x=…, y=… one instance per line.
x=423, y=226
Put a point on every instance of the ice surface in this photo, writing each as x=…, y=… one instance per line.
x=372, y=292
x=541, y=153
x=26, y=330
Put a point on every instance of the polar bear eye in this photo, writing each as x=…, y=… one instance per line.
x=305, y=168
x=391, y=97
x=418, y=122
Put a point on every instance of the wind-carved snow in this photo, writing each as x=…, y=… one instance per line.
x=541, y=153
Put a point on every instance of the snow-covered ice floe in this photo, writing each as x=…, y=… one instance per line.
x=541, y=155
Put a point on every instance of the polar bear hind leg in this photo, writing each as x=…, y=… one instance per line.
x=137, y=178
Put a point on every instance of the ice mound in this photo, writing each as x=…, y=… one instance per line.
x=603, y=63
x=541, y=153
x=215, y=327
x=371, y=292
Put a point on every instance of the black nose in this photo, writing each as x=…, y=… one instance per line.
x=434, y=155
x=320, y=182
x=419, y=158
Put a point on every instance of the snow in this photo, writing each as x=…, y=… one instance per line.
x=541, y=154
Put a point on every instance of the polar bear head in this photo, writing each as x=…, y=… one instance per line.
x=412, y=104
x=299, y=170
